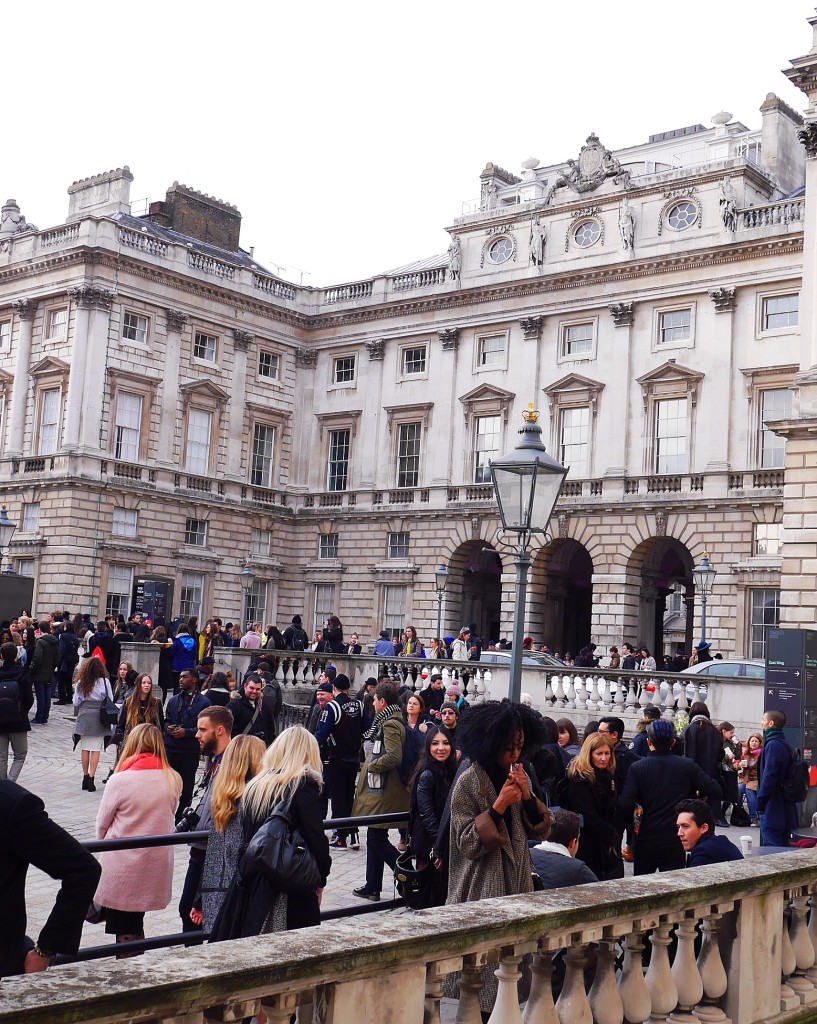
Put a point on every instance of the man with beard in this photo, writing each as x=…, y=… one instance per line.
x=215, y=727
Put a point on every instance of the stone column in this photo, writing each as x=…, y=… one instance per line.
x=25, y=310
x=238, y=395
x=170, y=386
x=94, y=347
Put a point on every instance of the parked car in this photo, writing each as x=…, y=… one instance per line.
x=533, y=659
x=746, y=668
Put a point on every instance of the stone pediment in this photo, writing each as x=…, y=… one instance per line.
x=204, y=389
x=670, y=380
x=487, y=393
x=487, y=400
x=572, y=390
x=48, y=364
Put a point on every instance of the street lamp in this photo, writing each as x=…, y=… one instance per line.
x=440, y=580
x=247, y=577
x=7, y=528
x=704, y=576
x=527, y=482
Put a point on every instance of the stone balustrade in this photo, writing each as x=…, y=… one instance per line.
x=790, y=211
x=755, y=922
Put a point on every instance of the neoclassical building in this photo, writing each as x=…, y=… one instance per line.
x=171, y=410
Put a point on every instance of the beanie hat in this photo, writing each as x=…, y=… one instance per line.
x=296, y=620
x=661, y=730
x=454, y=688
x=342, y=682
x=449, y=705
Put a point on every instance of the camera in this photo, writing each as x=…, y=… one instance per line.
x=188, y=820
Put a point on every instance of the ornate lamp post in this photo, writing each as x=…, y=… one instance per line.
x=247, y=577
x=704, y=576
x=440, y=580
x=527, y=482
x=7, y=528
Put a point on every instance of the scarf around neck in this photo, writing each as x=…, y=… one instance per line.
x=141, y=762
x=382, y=716
x=768, y=733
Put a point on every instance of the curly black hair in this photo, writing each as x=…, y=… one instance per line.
x=488, y=728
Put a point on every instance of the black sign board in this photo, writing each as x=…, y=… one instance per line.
x=784, y=648
x=153, y=598
x=16, y=595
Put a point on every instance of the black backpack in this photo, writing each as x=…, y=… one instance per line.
x=795, y=781
x=299, y=639
x=412, y=748
x=11, y=707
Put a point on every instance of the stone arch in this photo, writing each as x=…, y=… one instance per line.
x=560, y=595
x=654, y=568
x=474, y=590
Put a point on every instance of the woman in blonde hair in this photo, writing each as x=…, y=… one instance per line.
x=139, y=800
x=241, y=763
x=291, y=771
x=591, y=792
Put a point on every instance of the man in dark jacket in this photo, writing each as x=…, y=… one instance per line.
x=627, y=657
x=703, y=744
x=696, y=830
x=181, y=723
x=340, y=732
x=778, y=814
x=14, y=732
x=295, y=635
x=252, y=712
x=433, y=696
x=555, y=859
x=657, y=783
x=30, y=837
x=69, y=659
x=44, y=664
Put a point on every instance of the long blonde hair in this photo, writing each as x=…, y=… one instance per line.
x=147, y=739
x=241, y=763
x=582, y=764
x=292, y=756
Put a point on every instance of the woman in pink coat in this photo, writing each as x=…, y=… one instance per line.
x=140, y=800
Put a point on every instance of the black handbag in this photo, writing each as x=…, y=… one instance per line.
x=415, y=884
x=280, y=854
x=108, y=712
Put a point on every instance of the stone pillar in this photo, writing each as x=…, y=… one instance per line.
x=170, y=386
x=25, y=310
x=94, y=348
x=753, y=994
x=238, y=395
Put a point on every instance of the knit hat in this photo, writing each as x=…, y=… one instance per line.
x=325, y=688
x=661, y=730
x=449, y=705
x=296, y=620
x=454, y=688
x=342, y=682
x=465, y=629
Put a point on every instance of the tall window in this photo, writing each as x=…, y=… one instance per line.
x=775, y=404
x=767, y=538
x=577, y=339
x=338, y=476
x=31, y=517
x=328, y=545
x=263, y=448
x=491, y=350
x=127, y=425
x=324, y=603
x=408, y=455
x=414, y=360
x=780, y=311
x=674, y=325
x=256, y=608
x=486, y=446
x=135, y=328
x=574, y=440
x=5, y=334
x=269, y=365
x=25, y=567
x=260, y=543
x=49, y=421
x=204, y=346
x=344, y=370
x=123, y=523
x=190, y=597
x=197, y=456
x=394, y=609
x=195, y=532
x=671, y=436
x=120, y=584
x=57, y=323
x=765, y=611
x=399, y=545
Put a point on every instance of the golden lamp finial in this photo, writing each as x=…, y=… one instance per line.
x=530, y=415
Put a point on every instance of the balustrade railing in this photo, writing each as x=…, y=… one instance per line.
x=419, y=279
x=58, y=236
x=144, y=243
x=755, y=922
x=789, y=212
x=272, y=286
x=210, y=265
x=345, y=292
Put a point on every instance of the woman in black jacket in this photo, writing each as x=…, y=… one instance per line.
x=703, y=744
x=430, y=786
x=591, y=792
x=332, y=636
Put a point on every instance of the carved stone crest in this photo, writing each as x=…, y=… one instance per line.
x=622, y=313
x=661, y=523
x=594, y=165
x=723, y=299
x=476, y=526
x=561, y=524
x=376, y=347
x=242, y=339
x=305, y=356
x=531, y=327
x=449, y=338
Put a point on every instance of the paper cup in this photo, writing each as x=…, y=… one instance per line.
x=746, y=845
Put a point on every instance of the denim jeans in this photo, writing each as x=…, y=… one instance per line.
x=751, y=800
x=43, y=692
x=773, y=836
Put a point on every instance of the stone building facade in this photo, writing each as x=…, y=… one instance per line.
x=171, y=410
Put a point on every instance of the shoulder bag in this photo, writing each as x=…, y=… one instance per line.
x=108, y=712
x=279, y=853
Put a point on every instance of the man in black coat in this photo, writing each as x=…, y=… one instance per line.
x=434, y=695
x=253, y=713
x=657, y=783
x=14, y=731
x=30, y=837
x=555, y=859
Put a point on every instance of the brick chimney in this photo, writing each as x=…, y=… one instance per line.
x=198, y=215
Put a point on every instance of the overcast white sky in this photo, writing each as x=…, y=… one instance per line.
x=349, y=134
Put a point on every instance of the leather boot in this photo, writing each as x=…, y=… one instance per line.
x=85, y=780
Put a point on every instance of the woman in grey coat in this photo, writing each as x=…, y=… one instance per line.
x=92, y=687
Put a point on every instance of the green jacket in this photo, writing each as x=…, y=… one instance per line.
x=379, y=788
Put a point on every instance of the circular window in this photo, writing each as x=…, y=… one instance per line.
x=501, y=251
x=682, y=216
x=588, y=232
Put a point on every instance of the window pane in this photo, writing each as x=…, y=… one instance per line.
x=268, y=365
x=780, y=311
x=328, y=546
x=767, y=538
x=486, y=447
x=394, y=604
x=120, y=583
x=204, y=346
x=192, y=589
x=671, y=436
x=5, y=334
x=260, y=543
x=31, y=517
x=57, y=322
x=574, y=441
x=123, y=523
x=49, y=415
x=25, y=567
x=135, y=328
x=578, y=338
x=338, y=476
x=765, y=611
x=195, y=532
x=127, y=426
x=198, y=441
x=324, y=603
x=408, y=455
x=675, y=325
x=344, y=370
x=399, y=545
x=492, y=350
x=256, y=608
x=775, y=404
x=263, y=447
x=414, y=360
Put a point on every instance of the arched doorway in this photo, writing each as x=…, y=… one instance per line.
x=562, y=596
x=474, y=591
x=663, y=567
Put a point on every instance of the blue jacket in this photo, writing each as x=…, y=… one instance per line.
x=778, y=812
x=712, y=849
x=183, y=653
x=182, y=711
x=384, y=648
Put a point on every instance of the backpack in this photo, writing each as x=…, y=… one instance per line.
x=412, y=748
x=11, y=708
x=299, y=639
x=795, y=781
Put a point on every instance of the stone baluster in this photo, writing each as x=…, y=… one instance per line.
x=788, y=964
x=506, y=1007
x=660, y=982
x=711, y=969
x=685, y=971
x=580, y=691
x=468, y=1011
x=558, y=691
x=681, y=702
x=436, y=974
x=572, y=1006
x=802, y=948
x=487, y=679
x=278, y=671
x=604, y=996
x=591, y=684
x=605, y=693
x=811, y=974
x=632, y=987
x=570, y=693
x=631, y=702
x=540, y=1008
x=475, y=689
x=549, y=696
x=620, y=695
x=654, y=697
x=232, y=1010
x=280, y=1007
x=446, y=674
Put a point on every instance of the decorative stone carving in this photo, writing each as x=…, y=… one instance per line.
x=454, y=259
x=175, y=319
x=536, y=242
x=306, y=356
x=376, y=348
x=728, y=203
x=594, y=165
x=90, y=297
x=626, y=225
x=449, y=338
x=723, y=299
x=561, y=524
x=623, y=313
x=808, y=136
x=671, y=196
x=661, y=523
x=531, y=327
x=12, y=222
x=476, y=526
x=25, y=308
x=242, y=339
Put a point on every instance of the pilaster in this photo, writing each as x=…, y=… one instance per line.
x=238, y=391
x=25, y=310
x=176, y=321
